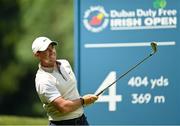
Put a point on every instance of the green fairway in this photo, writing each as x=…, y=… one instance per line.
x=18, y=120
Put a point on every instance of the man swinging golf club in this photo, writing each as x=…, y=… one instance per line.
x=56, y=85
x=57, y=88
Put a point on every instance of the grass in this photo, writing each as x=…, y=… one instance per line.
x=18, y=120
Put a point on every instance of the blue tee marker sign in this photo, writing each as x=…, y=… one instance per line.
x=111, y=36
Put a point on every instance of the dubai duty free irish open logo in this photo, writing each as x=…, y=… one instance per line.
x=95, y=19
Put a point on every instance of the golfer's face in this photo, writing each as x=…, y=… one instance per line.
x=48, y=57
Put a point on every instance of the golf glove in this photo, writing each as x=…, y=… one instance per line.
x=89, y=99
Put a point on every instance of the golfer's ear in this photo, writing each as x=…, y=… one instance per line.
x=36, y=54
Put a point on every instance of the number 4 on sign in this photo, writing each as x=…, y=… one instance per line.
x=112, y=97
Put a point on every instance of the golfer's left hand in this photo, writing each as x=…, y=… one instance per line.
x=89, y=99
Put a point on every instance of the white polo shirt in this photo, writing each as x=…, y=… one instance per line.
x=50, y=84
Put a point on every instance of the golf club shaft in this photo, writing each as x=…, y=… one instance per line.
x=125, y=74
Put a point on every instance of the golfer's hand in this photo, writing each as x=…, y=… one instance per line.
x=89, y=99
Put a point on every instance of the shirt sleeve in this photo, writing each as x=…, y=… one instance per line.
x=49, y=92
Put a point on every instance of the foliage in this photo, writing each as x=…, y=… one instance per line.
x=18, y=120
x=21, y=21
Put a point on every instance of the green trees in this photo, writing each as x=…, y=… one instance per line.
x=21, y=21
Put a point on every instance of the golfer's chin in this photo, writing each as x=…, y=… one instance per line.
x=50, y=62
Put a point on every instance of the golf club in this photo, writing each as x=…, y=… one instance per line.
x=154, y=50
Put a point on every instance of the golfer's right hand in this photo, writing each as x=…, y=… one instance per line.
x=89, y=99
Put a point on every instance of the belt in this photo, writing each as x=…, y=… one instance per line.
x=76, y=121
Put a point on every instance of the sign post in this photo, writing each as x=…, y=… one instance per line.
x=110, y=37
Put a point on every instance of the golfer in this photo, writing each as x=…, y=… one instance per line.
x=56, y=86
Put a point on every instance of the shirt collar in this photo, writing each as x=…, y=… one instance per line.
x=47, y=69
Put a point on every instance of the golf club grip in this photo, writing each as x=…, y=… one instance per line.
x=124, y=74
